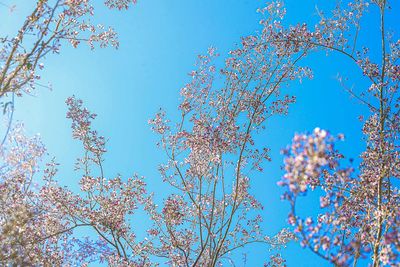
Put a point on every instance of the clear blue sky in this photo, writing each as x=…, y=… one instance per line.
x=159, y=43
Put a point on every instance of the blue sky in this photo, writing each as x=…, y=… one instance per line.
x=159, y=43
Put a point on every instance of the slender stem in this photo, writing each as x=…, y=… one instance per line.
x=377, y=242
x=9, y=120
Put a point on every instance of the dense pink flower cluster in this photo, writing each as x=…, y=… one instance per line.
x=307, y=156
x=119, y=4
x=174, y=210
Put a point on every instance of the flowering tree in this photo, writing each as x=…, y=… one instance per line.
x=360, y=216
x=30, y=234
x=42, y=32
x=49, y=24
x=212, y=152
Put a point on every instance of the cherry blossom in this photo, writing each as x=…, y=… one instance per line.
x=359, y=215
